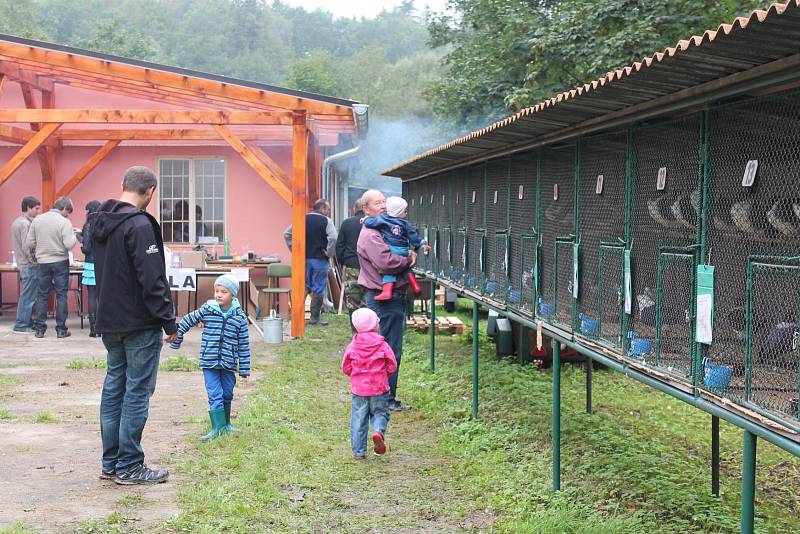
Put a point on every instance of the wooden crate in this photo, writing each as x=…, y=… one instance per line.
x=443, y=325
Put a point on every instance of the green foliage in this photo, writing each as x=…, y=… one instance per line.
x=17, y=527
x=508, y=55
x=315, y=73
x=178, y=363
x=5, y=414
x=87, y=363
x=45, y=417
x=111, y=37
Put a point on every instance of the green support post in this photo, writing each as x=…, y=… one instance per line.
x=748, y=483
x=474, y=359
x=556, y=415
x=715, y=456
x=433, y=324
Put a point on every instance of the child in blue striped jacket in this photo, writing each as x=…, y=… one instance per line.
x=224, y=349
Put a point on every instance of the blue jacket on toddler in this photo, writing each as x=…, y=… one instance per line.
x=396, y=231
x=226, y=339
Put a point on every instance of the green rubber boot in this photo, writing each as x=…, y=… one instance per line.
x=228, y=426
x=218, y=424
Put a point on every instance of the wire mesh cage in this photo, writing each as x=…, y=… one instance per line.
x=601, y=219
x=610, y=279
x=522, y=213
x=458, y=251
x=754, y=203
x=664, y=207
x=673, y=312
x=444, y=213
x=497, y=175
x=475, y=215
x=557, y=171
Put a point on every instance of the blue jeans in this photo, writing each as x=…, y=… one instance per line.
x=28, y=286
x=219, y=386
x=400, y=251
x=393, y=323
x=317, y=275
x=132, y=367
x=367, y=410
x=57, y=275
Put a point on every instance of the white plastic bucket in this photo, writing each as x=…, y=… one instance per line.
x=272, y=330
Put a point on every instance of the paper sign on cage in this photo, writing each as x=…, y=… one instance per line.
x=705, y=304
x=628, y=285
x=575, y=270
x=661, y=179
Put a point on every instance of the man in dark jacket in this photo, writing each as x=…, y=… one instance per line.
x=134, y=305
x=347, y=257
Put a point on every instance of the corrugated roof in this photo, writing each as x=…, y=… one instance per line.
x=176, y=70
x=765, y=36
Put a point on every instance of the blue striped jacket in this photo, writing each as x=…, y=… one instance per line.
x=226, y=339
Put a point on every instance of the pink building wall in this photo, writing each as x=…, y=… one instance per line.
x=255, y=215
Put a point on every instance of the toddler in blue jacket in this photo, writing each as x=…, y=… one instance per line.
x=224, y=350
x=399, y=236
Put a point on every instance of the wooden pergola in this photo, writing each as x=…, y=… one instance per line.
x=192, y=107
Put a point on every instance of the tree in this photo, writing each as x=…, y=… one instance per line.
x=23, y=19
x=110, y=37
x=508, y=54
x=315, y=73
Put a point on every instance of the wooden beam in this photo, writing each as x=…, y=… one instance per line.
x=48, y=175
x=165, y=116
x=124, y=71
x=2, y=84
x=299, y=177
x=282, y=134
x=29, y=148
x=14, y=72
x=87, y=167
x=12, y=134
x=262, y=170
x=269, y=163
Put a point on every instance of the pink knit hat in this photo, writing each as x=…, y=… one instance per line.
x=365, y=320
x=395, y=206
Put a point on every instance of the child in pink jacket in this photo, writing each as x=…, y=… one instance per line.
x=368, y=361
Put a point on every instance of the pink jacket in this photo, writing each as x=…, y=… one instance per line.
x=368, y=361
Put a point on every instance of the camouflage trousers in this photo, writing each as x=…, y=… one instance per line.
x=353, y=293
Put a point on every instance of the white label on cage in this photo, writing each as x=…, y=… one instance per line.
x=420, y=200
x=457, y=198
x=750, y=173
x=555, y=191
x=442, y=200
x=598, y=188
x=520, y=192
x=495, y=197
x=431, y=199
x=412, y=202
x=661, y=181
x=473, y=197
x=705, y=304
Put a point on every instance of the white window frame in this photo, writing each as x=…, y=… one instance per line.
x=192, y=193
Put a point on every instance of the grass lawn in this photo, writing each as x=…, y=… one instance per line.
x=640, y=463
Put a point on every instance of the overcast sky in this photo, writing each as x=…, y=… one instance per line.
x=361, y=8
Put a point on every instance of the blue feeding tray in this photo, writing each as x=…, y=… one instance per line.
x=640, y=346
x=471, y=281
x=589, y=326
x=716, y=376
x=491, y=287
x=514, y=296
x=546, y=309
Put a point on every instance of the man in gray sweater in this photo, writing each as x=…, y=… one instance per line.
x=50, y=239
x=26, y=264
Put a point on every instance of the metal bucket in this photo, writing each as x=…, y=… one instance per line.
x=273, y=328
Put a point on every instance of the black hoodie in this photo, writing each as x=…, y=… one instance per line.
x=132, y=289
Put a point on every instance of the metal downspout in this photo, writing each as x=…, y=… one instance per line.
x=360, y=114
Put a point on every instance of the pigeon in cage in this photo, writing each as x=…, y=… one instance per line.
x=780, y=344
x=685, y=210
x=661, y=213
x=746, y=219
x=646, y=304
x=783, y=216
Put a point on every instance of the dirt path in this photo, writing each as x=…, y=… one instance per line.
x=50, y=438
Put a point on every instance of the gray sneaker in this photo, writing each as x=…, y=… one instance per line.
x=22, y=331
x=141, y=474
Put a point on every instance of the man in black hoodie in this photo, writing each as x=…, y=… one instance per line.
x=134, y=305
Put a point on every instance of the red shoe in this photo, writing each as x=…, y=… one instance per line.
x=378, y=444
x=413, y=284
x=386, y=292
